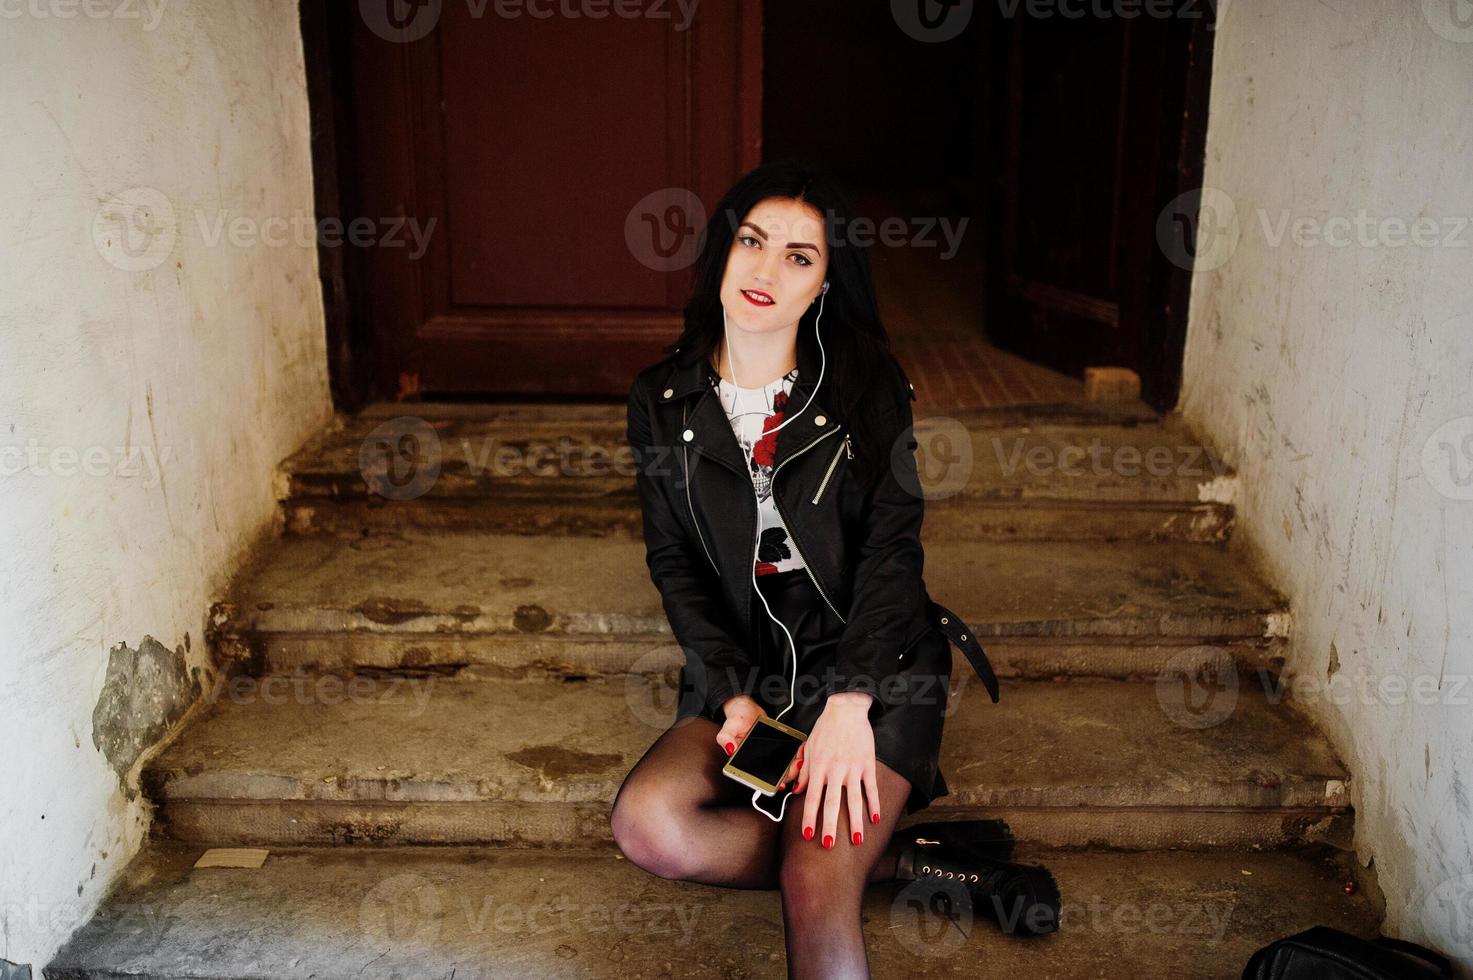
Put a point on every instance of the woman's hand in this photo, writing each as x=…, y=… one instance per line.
x=839, y=758
x=741, y=713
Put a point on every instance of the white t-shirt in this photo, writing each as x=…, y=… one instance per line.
x=753, y=412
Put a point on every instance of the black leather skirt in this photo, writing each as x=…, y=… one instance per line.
x=907, y=734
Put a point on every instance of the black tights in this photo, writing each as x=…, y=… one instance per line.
x=677, y=816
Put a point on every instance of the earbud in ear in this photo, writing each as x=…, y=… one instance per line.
x=825, y=287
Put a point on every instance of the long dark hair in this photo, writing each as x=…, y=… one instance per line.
x=856, y=345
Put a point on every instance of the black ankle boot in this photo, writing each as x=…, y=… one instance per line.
x=1022, y=899
x=977, y=838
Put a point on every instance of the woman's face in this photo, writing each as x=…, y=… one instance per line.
x=776, y=266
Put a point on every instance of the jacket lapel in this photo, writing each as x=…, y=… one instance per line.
x=805, y=427
x=711, y=433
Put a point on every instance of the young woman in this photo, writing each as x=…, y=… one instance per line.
x=782, y=516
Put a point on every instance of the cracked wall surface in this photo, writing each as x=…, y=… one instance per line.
x=145, y=691
x=1329, y=356
x=152, y=375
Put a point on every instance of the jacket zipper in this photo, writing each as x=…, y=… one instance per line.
x=789, y=524
x=685, y=465
x=832, y=463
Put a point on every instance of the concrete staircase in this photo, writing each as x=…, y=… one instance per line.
x=477, y=666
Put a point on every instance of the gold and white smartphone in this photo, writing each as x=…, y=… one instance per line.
x=764, y=755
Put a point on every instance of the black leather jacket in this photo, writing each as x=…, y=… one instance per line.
x=861, y=547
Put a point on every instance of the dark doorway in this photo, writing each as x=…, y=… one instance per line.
x=1054, y=140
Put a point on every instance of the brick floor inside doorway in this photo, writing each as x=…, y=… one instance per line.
x=932, y=305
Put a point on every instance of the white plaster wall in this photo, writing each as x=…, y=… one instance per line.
x=211, y=356
x=1326, y=368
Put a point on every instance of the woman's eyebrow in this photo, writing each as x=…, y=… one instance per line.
x=763, y=235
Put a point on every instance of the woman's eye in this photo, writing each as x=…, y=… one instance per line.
x=745, y=239
x=803, y=260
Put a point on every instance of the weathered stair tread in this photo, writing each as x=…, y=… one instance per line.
x=1012, y=460
x=405, y=912
x=461, y=583
x=434, y=760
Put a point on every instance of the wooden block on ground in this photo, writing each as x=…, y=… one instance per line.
x=1111, y=384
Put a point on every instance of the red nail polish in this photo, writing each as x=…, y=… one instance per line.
x=858, y=837
x=874, y=818
x=828, y=840
x=799, y=766
x=730, y=747
x=808, y=833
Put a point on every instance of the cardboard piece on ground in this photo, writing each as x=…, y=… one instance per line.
x=232, y=857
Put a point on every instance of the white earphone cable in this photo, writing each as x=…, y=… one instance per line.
x=792, y=644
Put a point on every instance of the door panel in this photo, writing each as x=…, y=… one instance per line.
x=524, y=146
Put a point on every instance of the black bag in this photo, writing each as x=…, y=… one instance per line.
x=1323, y=953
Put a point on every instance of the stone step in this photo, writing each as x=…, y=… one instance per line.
x=437, y=912
x=511, y=605
x=430, y=760
x=567, y=470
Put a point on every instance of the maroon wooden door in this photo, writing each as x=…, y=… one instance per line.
x=558, y=168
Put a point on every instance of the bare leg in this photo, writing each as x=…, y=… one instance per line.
x=822, y=888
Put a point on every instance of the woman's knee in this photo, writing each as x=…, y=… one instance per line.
x=647, y=826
